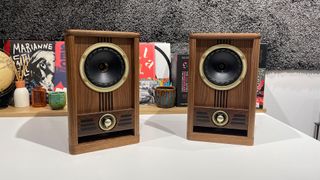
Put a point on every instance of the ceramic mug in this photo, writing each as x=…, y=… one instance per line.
x=57, y=100
x=165, y=96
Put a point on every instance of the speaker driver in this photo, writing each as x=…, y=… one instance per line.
x=223, y=67
x=104, y=67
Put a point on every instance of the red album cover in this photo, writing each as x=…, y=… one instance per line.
x=147, y=61
x=5, y=46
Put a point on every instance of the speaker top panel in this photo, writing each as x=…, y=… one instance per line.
x=223, y=66
x=96, y=33
x=225, y=36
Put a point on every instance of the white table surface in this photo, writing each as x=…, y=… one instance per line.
x=36, y=148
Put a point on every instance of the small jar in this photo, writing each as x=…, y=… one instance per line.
x=57, y=100
x=38, y=97
x=165, y=96
x=21, y=95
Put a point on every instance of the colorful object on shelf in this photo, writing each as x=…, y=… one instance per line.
x=60, y=77
x=261, y=76
x=38, y=97
x=179, y=70
x=155, y=63
x=165, y=96
x=21, y=95
x=57, y=100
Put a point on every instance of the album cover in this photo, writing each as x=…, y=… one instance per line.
x=41, y=58
x=147, y=61
x=5, y=46
x=147, y=88
x=155, y=71
x=163, y=60
x=60, y=77
x=179, y=69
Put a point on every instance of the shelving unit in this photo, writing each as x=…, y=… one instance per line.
x=46, y=111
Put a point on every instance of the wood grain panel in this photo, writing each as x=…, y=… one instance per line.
x=71, y=80
x=204, y=95
x=225, y=35
x=135, y=85
x=123, y=97
x=253, y=90
x=191, y=85
x=85, y=105
x=238, y=97
x=95, y=33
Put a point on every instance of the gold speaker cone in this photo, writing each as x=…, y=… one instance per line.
x=223, y=46
x=84, y=76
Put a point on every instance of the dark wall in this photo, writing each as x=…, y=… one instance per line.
x=290, y=27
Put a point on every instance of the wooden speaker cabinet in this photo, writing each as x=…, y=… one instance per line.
x=222, y=87
x=103, y=89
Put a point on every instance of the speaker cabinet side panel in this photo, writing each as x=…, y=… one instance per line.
x=191, y=85
x=135, y=85
x=254, y=75
x=72, y=100
x=122, y=97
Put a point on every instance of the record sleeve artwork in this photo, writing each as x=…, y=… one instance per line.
x=41, y=57
x=154, y=69
x=60, y=80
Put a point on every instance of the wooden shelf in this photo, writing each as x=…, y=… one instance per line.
x=31, y=111
x=46, y=111
x=152, y=109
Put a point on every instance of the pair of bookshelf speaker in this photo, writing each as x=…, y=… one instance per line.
x=103, y=91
